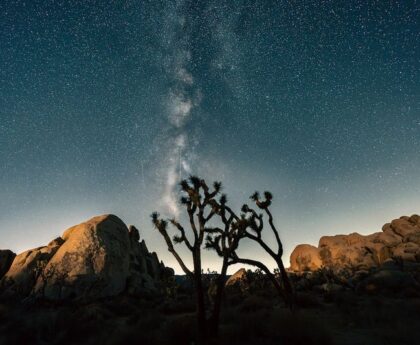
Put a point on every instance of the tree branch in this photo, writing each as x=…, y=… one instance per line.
x=276, y=233
x=183, y=236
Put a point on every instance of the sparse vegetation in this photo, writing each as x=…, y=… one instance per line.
x=247, y=318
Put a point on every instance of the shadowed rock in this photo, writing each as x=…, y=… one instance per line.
x=26, y=268
x=6, y=259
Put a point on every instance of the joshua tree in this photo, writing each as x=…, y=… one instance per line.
x=255, y=235
x=249, y=225
x=201, y=207
x=224, y=240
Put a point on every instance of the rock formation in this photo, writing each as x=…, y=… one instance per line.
x=238, y=277
x=6, y=259
x=305, y=258
x=399, y=240
x=95, y=259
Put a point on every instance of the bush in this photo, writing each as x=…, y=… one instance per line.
x=254, y=303
x=179, y=330
x=307, y=300
x=273, y=327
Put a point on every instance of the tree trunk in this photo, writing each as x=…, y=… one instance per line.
x=290, y=296
x=277, y=286
x=201, y=310
x=215, y=317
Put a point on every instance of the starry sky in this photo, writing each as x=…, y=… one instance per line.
x=105, y=105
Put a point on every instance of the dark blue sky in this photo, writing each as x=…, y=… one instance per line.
x=105, y=104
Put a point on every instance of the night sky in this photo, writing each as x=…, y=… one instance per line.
x=104, y=105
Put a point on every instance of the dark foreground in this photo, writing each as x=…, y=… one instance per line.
x=254, y=316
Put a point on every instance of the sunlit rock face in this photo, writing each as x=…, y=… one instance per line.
x=95, y=259
x=399, y=240
x=305, y=258
x=237, y=277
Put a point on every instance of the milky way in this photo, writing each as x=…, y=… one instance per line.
x=182, y=100
x=104, y=106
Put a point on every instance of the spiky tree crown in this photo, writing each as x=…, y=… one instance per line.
x=255, y=196
x=262, y=204
x=268, y=196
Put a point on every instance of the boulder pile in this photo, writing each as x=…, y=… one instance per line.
x=399, y=241
x=383, y=261
x=95, y=259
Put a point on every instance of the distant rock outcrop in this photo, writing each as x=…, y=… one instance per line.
x=399, y=240
x=98, y=258
x=237, y=278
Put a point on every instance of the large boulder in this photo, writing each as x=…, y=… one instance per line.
x=98, y=258
x=305, y=258
x=6, y=259
x=346, y=251
x=92, y=262
x=399, y=240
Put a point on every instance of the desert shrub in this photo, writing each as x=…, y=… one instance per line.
x=4, y=312
x=179, y=330
x=307, y=300
x=144, y=329
x=132, y=336
x=402, y=333
x=410, y=292
x=346, y=303
x=123, y=306
x=254, y=303
x=269, y=328
x=30, y=326
x=244, y=328
x=151, y=319
x=395, y=322
x=297, y=329
x=328, y=297
x=178, y=306
x=234, y=297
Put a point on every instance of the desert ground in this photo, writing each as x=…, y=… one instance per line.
x=252, y=314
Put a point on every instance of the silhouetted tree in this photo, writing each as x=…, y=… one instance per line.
x=224, y=240
x=201, y=206
x=250, y=225
x=255, y=235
